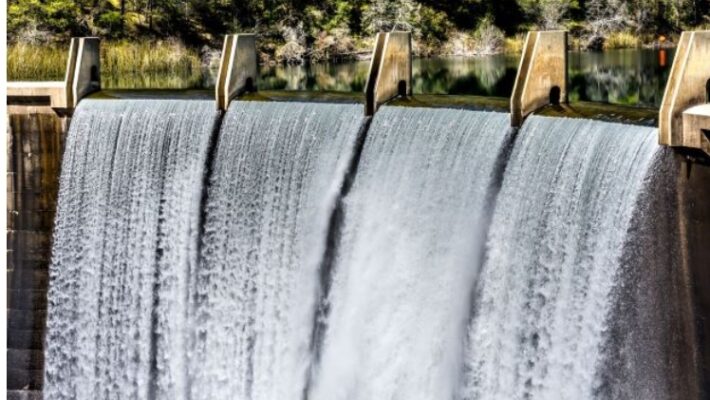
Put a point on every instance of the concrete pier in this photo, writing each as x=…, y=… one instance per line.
x=237, y=68
x=82, y=77
x=542, y=74
x=390, y=73
x=680, y=124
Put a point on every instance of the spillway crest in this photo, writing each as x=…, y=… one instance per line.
x=277, y=173
x=559, y=260
x=125, y=247
x=413, y=230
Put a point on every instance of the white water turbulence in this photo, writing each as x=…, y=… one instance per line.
x=408, y=257
x=554, y=256
x=125, y=243
x=277, y=174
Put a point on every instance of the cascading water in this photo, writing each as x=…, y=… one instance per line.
x=277, y=174
x=566, y=284
x=125, y=246
x=413, y=230
x=557, y=251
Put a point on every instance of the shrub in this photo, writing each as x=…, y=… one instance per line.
x=514, y=44
x=488, y=38
x=459, y=43
x=290, y=53
x=621, y=40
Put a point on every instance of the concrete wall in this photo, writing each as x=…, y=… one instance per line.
x=693, y=195
x=35, y=143
x=37, y=124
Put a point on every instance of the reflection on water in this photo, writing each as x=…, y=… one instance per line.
x=340, y=77
x=163, y=80
x=485, y=76
x=632, y=77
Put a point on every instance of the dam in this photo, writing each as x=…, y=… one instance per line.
x=255, y=244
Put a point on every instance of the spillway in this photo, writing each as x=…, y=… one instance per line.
x=277, y=174
x=581, y=294
x=412, y=236
x=302, y=251
x=125, y=247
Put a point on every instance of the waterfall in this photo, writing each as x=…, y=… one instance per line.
x=125, y=247
x=413, y=230
x=558, y=258
x=277, y=173
x=424, y=254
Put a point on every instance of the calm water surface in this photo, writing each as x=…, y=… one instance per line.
x=630, y=77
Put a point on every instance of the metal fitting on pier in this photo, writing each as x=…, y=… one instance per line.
x=542, y=74
x=237, y=68
x=390, y=72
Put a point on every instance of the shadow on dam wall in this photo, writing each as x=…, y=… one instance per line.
x=34, y=148
x=661, y=287
x=694, y=229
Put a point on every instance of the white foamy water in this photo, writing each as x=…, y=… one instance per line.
x=423, y=283
x=409, y=255
x=277, y=173
x=125, y=244
x=554, y=255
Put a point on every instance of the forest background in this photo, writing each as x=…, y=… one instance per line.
x=155, y=34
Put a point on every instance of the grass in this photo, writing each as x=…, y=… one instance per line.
x=163, y=57
x=36, y=63
x=121, y=63
x=622, y=40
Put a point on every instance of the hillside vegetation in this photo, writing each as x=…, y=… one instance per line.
x=307, y=30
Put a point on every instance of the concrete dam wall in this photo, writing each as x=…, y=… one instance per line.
x=308, y=250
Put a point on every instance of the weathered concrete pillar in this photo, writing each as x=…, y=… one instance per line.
x=84, y=76
x=237, y=68
x=542, y=74
x=390, y=72
x=688, y=86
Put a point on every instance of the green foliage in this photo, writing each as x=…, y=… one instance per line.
x=33, y=19
x=298, y=30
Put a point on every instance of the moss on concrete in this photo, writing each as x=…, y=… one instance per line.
x=603, y=112
x=596, y=111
